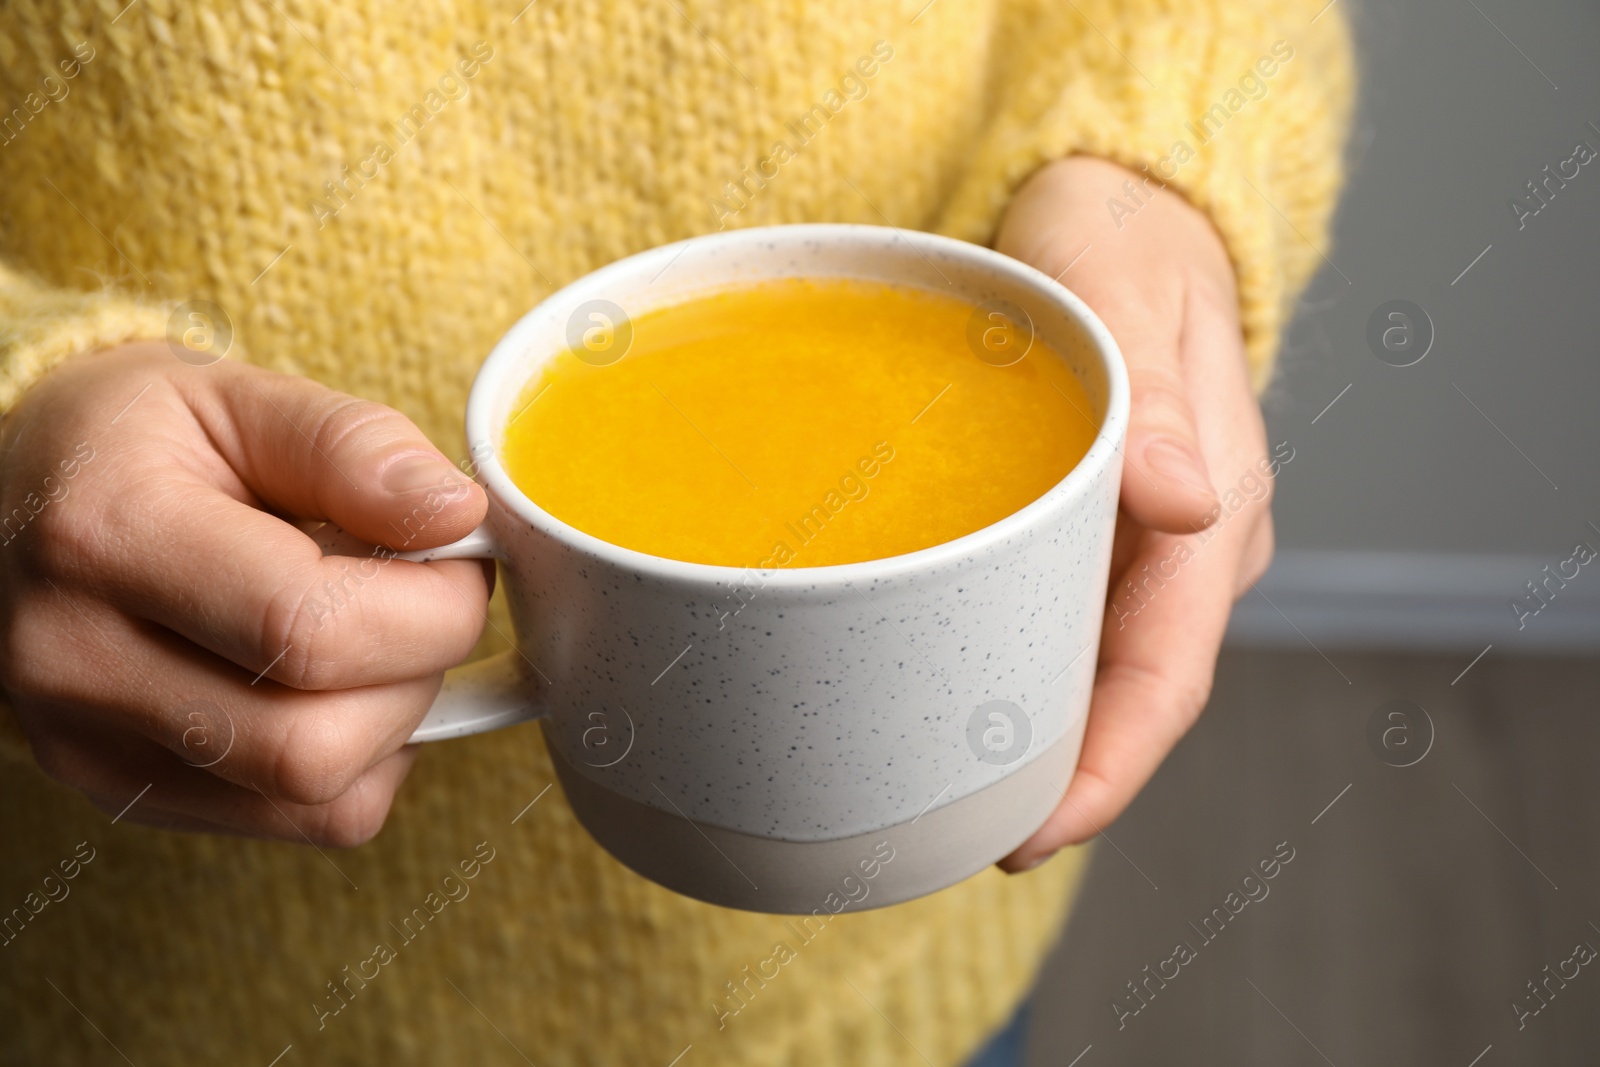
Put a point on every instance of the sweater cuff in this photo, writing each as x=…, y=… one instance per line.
x=42, y=325
x=1241, y=106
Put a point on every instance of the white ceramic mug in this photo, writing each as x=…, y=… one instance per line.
x=785, y=740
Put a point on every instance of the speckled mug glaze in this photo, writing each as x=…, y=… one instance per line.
x=763, y=739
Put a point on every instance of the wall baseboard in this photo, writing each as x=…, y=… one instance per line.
x=1415, y=600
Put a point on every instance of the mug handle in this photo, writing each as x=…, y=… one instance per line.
x=476, y=697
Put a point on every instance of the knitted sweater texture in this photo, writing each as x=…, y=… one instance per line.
x=372, y=193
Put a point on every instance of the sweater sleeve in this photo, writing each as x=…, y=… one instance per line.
x=1241, y=106
x=41, y=325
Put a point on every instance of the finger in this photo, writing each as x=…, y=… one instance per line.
x=1168, y=610
x=258, y=592
x=298, y=747
x=133, y=780
x=1257, y=557
x=1142, y=281
x=1170, y=488
x=1167, y=486
x=1154, y=676
x=314, y=453
x=1128, y=541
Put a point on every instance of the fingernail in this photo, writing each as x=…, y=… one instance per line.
x=1178, y=462
x=1037, y=860
x=415, y=475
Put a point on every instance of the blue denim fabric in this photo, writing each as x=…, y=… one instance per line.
x=1009, y=1045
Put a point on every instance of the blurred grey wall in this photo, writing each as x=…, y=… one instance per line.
x=1421, y=502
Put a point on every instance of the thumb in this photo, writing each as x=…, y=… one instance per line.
x=1169, y=487
x=1166, y=486
x=314, y=453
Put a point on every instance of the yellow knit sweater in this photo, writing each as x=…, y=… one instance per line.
x=373, y=192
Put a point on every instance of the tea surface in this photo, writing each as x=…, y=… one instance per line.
x=796, y=423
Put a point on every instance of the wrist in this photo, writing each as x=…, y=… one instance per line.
x=1085, y=202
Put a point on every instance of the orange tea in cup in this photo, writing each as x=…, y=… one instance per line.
x=797, y=423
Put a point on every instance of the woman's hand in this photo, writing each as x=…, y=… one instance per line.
x=1161, y=280
x=163, y=625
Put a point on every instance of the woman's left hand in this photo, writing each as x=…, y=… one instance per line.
x=1194, y=530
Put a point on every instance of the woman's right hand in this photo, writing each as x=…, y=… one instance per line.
x=163, y=624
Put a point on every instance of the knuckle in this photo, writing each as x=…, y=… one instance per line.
x=300, y=628
x=1183, y=697
x=1156, y=302
x=1191, y=699
x=58, y=758
x=30, y=659
x=318, y=760
x=353, y=820
x=1214, y=289
x=65, y=541
x=348, y=418
x=1159, y=396
x=1258, y=557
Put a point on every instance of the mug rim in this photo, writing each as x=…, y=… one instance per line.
x=507, y=353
